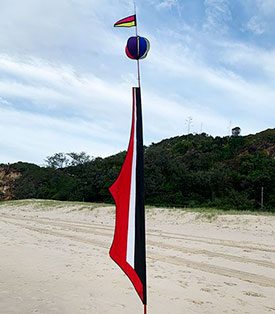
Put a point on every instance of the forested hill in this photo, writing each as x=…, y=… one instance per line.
x=189, y=170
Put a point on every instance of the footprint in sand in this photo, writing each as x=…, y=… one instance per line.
x=270, y=309
x=160, y=277
x=231, y=284
x=183, y=284
x=197, y=302
x=253, y=294
x=206, y=290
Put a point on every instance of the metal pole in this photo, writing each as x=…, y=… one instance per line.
x=138, y=65
x=262, y=197
x=139, y=85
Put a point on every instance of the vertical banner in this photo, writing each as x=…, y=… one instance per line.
x=128, y=249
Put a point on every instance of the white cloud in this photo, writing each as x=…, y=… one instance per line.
x=261, y=14
x=256, y=25
x=218, y=15
x=34, y=136
x=73, y=111
x=167, y=4
x=61, y=86
x=266, y=6
x=228, y=82
x=253, y=58
x=63, y=30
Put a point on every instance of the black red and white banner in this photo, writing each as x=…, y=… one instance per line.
x=128, y=248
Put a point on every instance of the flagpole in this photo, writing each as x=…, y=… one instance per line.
x=139, y=84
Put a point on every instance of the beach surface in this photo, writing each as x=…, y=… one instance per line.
x=54, y=258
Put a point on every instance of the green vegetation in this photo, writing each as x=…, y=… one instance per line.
x=184, y=171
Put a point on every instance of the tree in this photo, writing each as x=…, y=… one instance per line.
x=236, y=131
x=58, y=160
x=78, y=158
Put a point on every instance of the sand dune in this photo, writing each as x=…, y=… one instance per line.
x=55, y=260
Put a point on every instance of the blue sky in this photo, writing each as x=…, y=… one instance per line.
x=65, y=82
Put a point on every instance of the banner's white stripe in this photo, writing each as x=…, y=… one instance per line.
x=130, y=257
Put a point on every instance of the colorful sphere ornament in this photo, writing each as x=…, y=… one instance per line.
x=137, y=47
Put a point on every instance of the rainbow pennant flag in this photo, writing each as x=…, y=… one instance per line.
x=129, y=21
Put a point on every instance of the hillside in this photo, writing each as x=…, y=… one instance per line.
x=8, y=176
x=188, y=170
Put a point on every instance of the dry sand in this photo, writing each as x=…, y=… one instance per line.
x=55, y=260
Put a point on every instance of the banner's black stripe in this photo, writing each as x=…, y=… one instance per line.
x=140, y=253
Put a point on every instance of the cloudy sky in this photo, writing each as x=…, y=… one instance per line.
x=65, y=82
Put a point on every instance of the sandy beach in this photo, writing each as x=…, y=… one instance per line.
x=54, y=259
